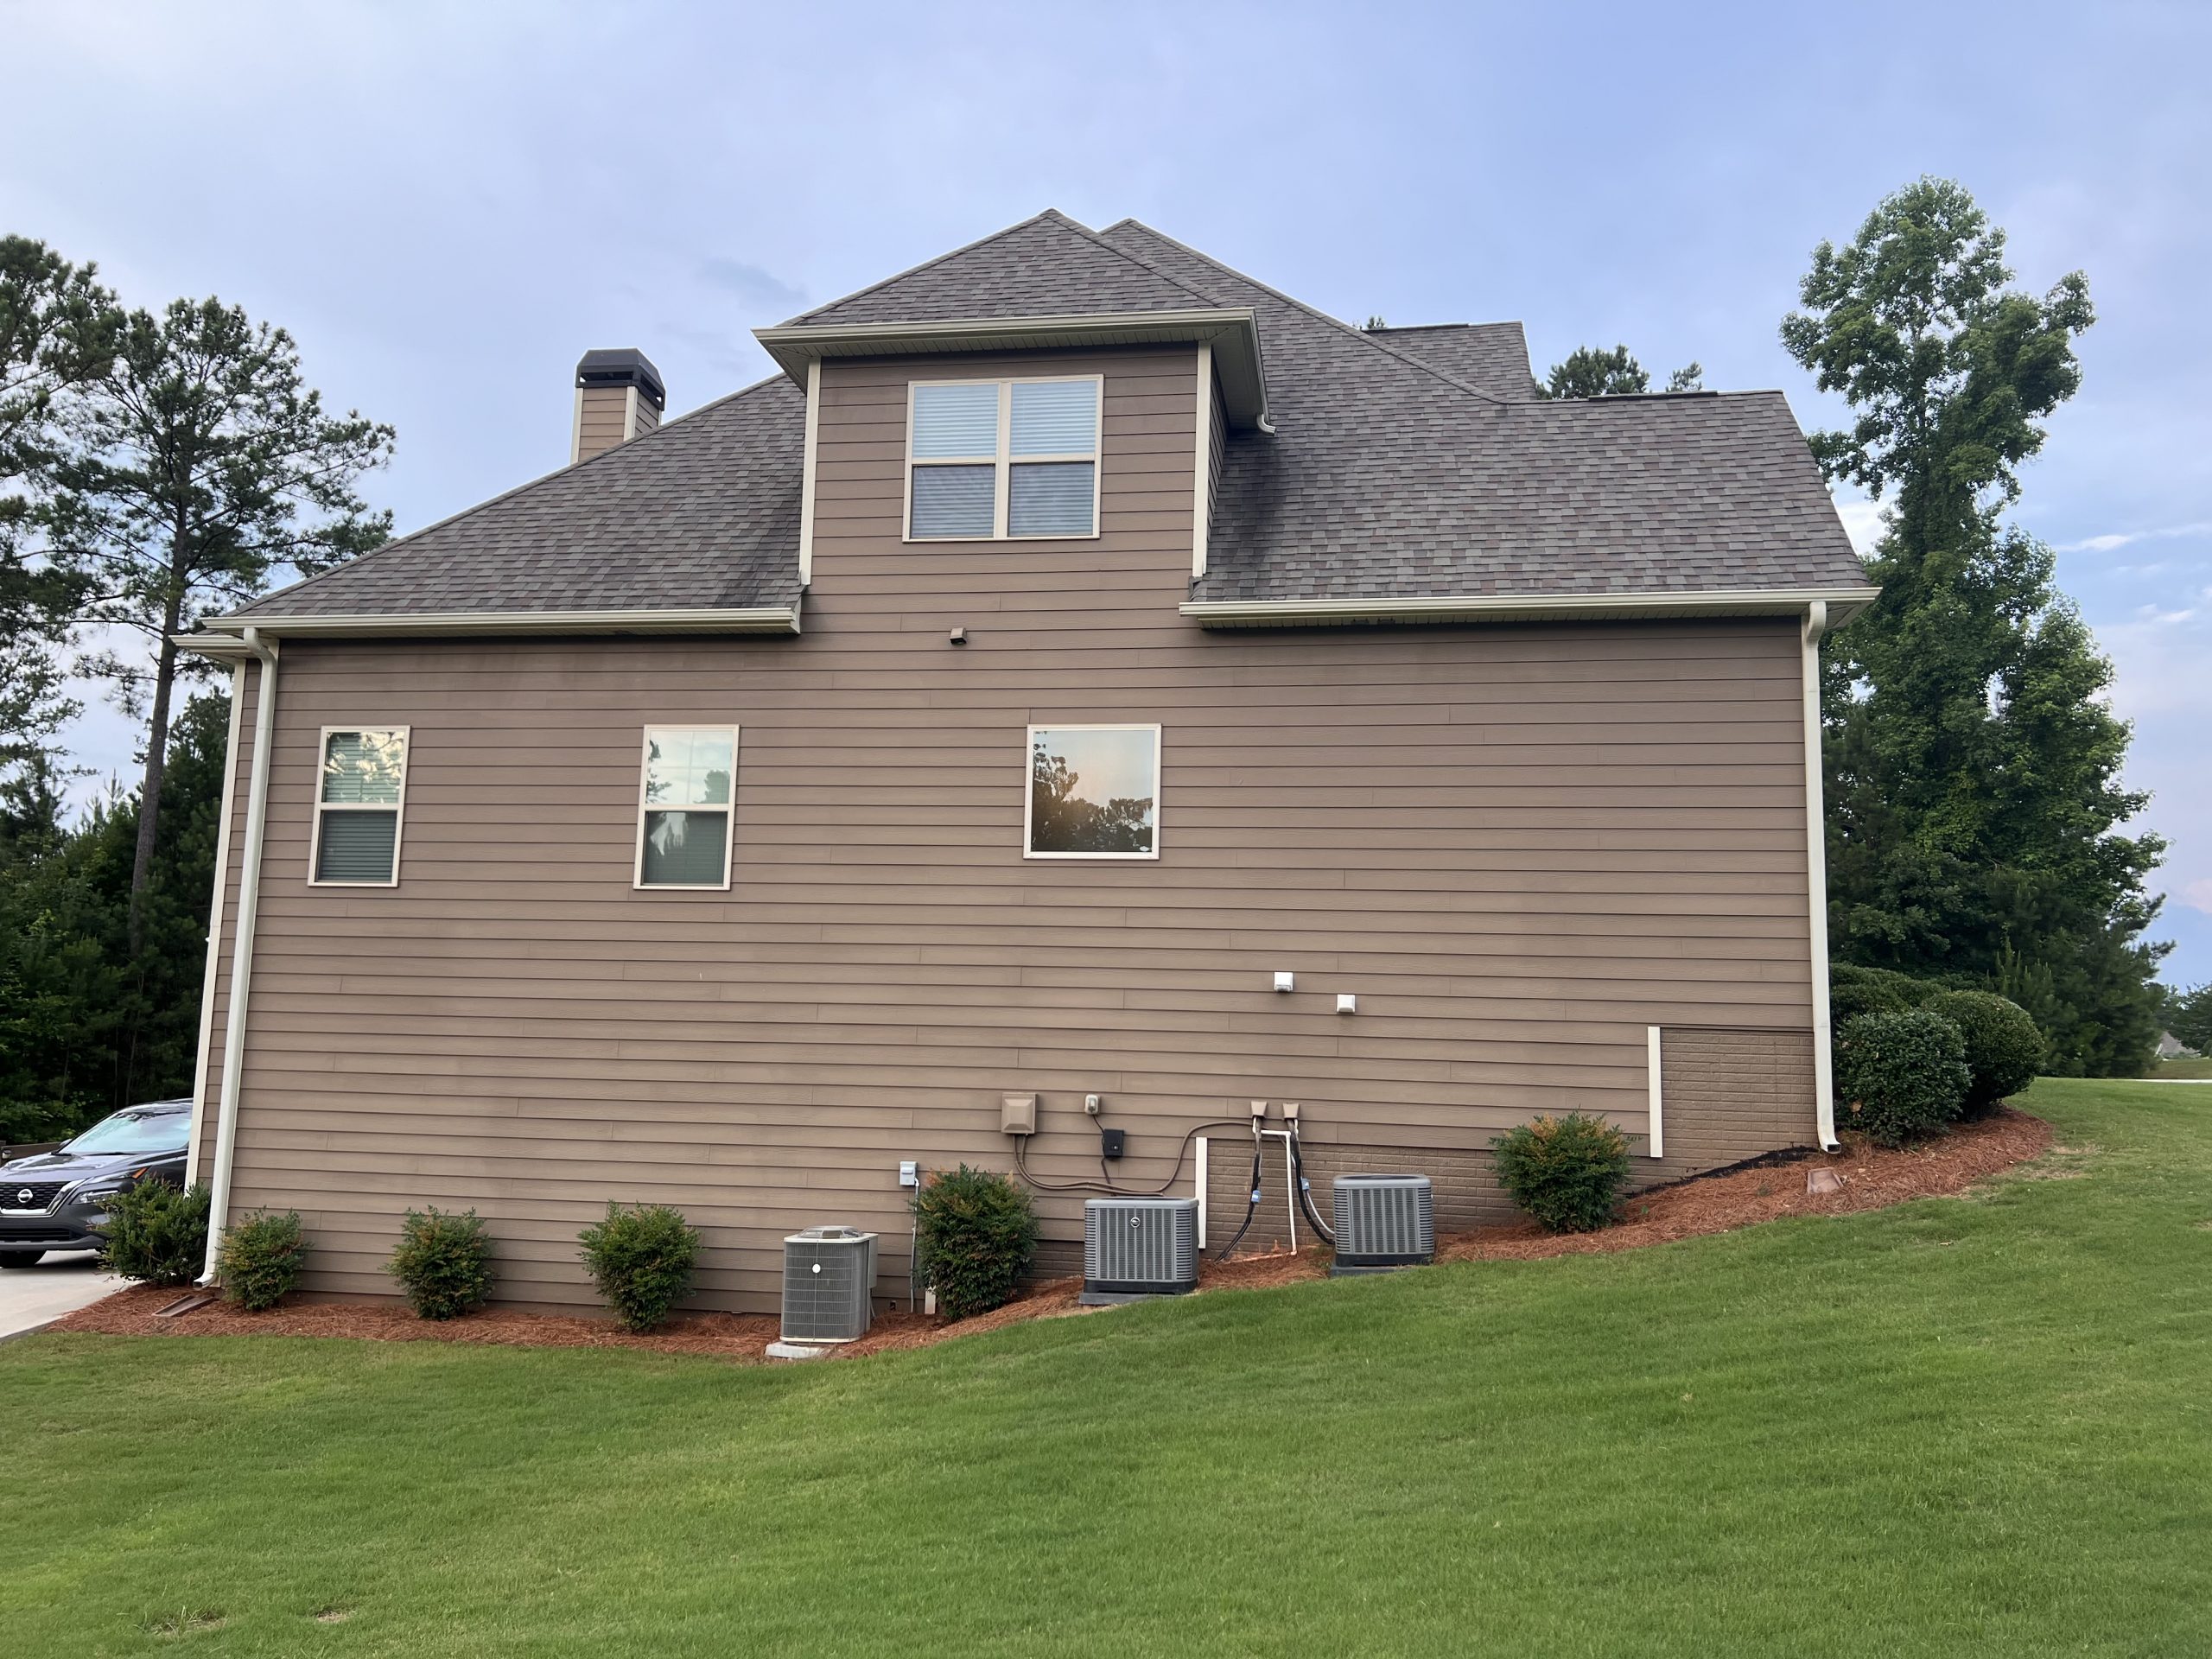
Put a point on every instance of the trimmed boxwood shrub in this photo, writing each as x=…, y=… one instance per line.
x=2004, y=1049
x=1853, y=991
x=1568, y=1171
x=156, y=1234
x=641, y=1259
x=443, y=1262
x=259, y=1259
x=975, y=1233
x=1899, y=1076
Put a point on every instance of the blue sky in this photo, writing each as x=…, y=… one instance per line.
x=447, y=205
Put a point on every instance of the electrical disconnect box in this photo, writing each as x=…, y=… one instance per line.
x=1112, y=1143
x=1018, y=1114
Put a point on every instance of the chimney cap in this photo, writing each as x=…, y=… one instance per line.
x=625, y=367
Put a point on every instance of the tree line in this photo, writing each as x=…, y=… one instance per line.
x=156, y=468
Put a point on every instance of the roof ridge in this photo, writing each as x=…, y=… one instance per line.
x=1052, y=215
x=1337, y=323
x=486, y=505
x=1143, y=263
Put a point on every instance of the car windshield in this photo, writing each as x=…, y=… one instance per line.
x=134, y=1132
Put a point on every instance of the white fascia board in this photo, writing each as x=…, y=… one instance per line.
x=221, y=637
x=1232, y=330
x=1842, y=603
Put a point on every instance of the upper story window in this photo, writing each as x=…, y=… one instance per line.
x=1003, y=460
x=684, y=805
x=1094, y=791
x=357, y=807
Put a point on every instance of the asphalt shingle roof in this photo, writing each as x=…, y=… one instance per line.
x=1406, y=462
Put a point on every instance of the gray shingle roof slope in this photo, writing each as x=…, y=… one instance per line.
x=1047, y=266
x=1491, y=355
x=700, y=513
x=1389, y=478
x=1412, y=462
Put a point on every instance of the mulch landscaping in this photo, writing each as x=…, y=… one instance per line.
x=1871, y=1176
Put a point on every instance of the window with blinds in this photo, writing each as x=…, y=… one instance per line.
x=1003, y=460
x=357, y=804
x=685, y=798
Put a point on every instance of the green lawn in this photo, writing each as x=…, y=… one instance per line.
x=1962, y=1427
x=2182, y=1068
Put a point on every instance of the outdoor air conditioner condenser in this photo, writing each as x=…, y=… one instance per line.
x=1134, y=1248
x=828, y=1282
x=1384, y=1222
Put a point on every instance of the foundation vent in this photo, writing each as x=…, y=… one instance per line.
x=1134, y=1248
x=1384, y=1222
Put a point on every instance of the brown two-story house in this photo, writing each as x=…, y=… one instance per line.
x=1076, y=643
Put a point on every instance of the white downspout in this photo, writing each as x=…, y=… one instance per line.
x=1816, y=880
x=256, y=820
x=214, y=929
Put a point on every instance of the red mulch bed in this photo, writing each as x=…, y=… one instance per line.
x=1873, y=1178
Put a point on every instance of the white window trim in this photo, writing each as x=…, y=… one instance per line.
x=638, y=882
x=398, y=807
x=1004, y=460
x=1029, y=790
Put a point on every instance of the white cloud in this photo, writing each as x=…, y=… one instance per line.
x=2197, y=895
x=2111, y=543
x=1862, y=522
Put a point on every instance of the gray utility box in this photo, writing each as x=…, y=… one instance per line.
x=1384, y=1222
x=828, y=1284
x=1136, y=1247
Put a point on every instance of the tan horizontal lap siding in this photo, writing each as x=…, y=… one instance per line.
x=1518, y=847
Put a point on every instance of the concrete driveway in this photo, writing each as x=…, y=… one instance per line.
x=58, y=1285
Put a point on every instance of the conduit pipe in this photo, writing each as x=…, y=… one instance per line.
x=1816, y=883
x=256, y=822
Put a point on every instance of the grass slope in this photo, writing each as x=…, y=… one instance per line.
x=1977, y=1426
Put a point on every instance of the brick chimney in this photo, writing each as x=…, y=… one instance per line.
x=619, y=398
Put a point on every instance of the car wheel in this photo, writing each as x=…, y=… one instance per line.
x=20, y=1258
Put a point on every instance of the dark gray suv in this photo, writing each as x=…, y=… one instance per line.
x=52, y=1201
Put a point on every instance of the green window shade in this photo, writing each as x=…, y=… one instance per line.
x=685, y=849
x=358, y=846
x=363, y=768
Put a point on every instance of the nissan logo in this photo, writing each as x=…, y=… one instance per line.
x=24, y=1195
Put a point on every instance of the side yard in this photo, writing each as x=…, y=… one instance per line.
x=1966, y=1426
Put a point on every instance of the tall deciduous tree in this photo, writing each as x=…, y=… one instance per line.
x=57, y=332
x=1973, y=766
x=206, y=466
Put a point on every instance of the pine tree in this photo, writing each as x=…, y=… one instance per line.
x=206, y=466
x=1972, y=768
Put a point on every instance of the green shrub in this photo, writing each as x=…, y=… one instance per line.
x=976, y=1232
x=641, y=1259
x=1899, y=1076
x=2004, y=1049
x=443, y=1263
x=155, y=1234
x=1853, y=991
x=259, y=1259
x=1568, y=1171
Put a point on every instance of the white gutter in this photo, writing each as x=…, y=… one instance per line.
x=256, y=820
x=214, y=929
x=753, y=618
x=1846, y=603
x=1816, y=878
